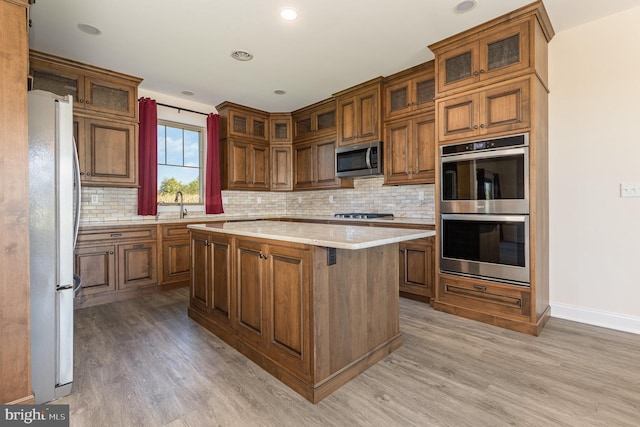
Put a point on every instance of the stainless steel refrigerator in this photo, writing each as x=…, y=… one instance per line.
x=54, y=196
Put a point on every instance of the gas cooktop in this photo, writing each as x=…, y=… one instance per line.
x=364, y=215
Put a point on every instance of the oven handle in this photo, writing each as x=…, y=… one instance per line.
x=484, y=154
x=484, y=217
x=368, y=158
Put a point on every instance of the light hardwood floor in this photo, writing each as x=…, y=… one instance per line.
x=143, y=362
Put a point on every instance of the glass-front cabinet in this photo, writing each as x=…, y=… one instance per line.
x=488, y=55
x=410, y=91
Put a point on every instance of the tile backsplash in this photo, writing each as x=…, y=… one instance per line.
x=368, y=195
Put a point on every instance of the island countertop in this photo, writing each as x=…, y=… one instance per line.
x=326, y=235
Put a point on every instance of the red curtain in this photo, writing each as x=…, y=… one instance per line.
x=148, y=157
x=213, y=197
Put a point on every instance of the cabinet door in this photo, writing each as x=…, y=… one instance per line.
x=424, y=90
x=505, y=51
x=281, y=168
x=96, y=266
x=247, y=125
x=249, y=290
x=303, y=159
x=220, y=276
x=289, y=306
x=424, y=146
x=397, y=152
x=348, y=125
x=176, y=261
x=417, y=273
x=280, y=128
x=110, y=149
x=368, y=115
x=325, y=164
x=458, y=117
x=260, y=177
x=505, y=108
x=458, y=67
x=397, y=98
x=239, y=164
x=137, y=265
x=200, y=272
x=109, y=96
x=59, y=80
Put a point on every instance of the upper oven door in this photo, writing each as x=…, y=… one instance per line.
x=488, y=181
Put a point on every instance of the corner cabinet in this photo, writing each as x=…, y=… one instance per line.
x=281, y=152
x=360, y=113
x=105, y=116
x=244, y=148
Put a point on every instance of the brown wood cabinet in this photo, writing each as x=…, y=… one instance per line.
x=174, y=260
x=105, y=116
x=409, y=151
x=492, y=81
x=244, y=148
x=417, y=269
x=281, y=167
x=501, y=108
x=506, y=47
x=107, y=151
x=116, y=263
x=409, y=92
x=315, y=121
x=280, y=128
x=311, y=325
x=360, y=113
x=15, y=336
x=314, y=166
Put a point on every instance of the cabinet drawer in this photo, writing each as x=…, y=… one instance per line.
x=175, y=231
x=485, y=296
x=107, y=234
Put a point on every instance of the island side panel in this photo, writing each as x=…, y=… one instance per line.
x=356, y=320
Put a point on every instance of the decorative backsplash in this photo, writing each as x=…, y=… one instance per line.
x=369, y=195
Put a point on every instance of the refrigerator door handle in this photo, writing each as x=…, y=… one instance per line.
x=64, y=336
x=77, y=285
x=78, y=193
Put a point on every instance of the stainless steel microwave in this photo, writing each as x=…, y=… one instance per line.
x=359, y=160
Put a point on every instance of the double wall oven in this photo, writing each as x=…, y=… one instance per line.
x=484, y=209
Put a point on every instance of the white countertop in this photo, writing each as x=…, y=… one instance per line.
x=326, y=235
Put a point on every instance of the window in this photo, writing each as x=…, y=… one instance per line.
x=179, y=162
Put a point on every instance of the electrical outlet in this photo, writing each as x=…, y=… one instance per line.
x=330, y=199
x=259, y=200
x=225, y=200
x=629, y=190
x=94, y=198
x=420, y=195
x=299, y=200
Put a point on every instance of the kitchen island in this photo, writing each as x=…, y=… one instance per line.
x=312, y=304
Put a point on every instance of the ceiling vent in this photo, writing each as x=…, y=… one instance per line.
x=241, y=55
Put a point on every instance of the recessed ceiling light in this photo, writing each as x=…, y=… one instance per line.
x=89, y=29
x=187, y=92
x=279, y=92
x=465, y=6
x=288, y=14
x=241, y=55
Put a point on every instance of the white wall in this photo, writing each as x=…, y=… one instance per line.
x=594, y=139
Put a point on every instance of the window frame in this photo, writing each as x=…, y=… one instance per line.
x=201, y=152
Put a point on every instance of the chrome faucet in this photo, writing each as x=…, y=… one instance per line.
x=179, y=193
x=158, y=210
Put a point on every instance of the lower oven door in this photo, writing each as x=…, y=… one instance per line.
x=494, y=247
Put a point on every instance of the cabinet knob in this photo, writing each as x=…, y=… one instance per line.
x=81, y=173
x=110, y=252
x=475, y=73
x=87, y=101
x=482, y=125
x=475, y=126
x=88, y=173
x=481, y=71
x=80, y=101
x=403, y=250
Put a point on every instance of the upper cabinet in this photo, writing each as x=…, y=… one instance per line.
x=243, y=122
x=93, y=89
x=360, y=113
x=105, y=116
x=314, y=121
x=494, y=51
x=280, y=128
x=409, y=91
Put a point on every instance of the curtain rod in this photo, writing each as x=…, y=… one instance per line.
x=178, y=108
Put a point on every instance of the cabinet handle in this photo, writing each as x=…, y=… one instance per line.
x=116, y=234
x=481, y=71
x=475, y=126
x=80, y=101
x=475, y=73
x=110, y=252
x=88, y=173
x=87, y=101
x=482, y=126
x=480, y=288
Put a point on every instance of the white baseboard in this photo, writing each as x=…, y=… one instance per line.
x=620, y=322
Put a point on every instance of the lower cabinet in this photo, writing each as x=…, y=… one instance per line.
x=116, y=263
x=175, y=255
x=417, y=274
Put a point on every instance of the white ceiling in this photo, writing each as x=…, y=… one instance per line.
x=335, y=44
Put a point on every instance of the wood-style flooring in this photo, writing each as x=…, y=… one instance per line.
x=143, y=362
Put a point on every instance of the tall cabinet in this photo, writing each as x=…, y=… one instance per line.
x=15, y=357
x=492, y=80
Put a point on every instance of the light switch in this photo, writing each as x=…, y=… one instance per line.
x=629, y=190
